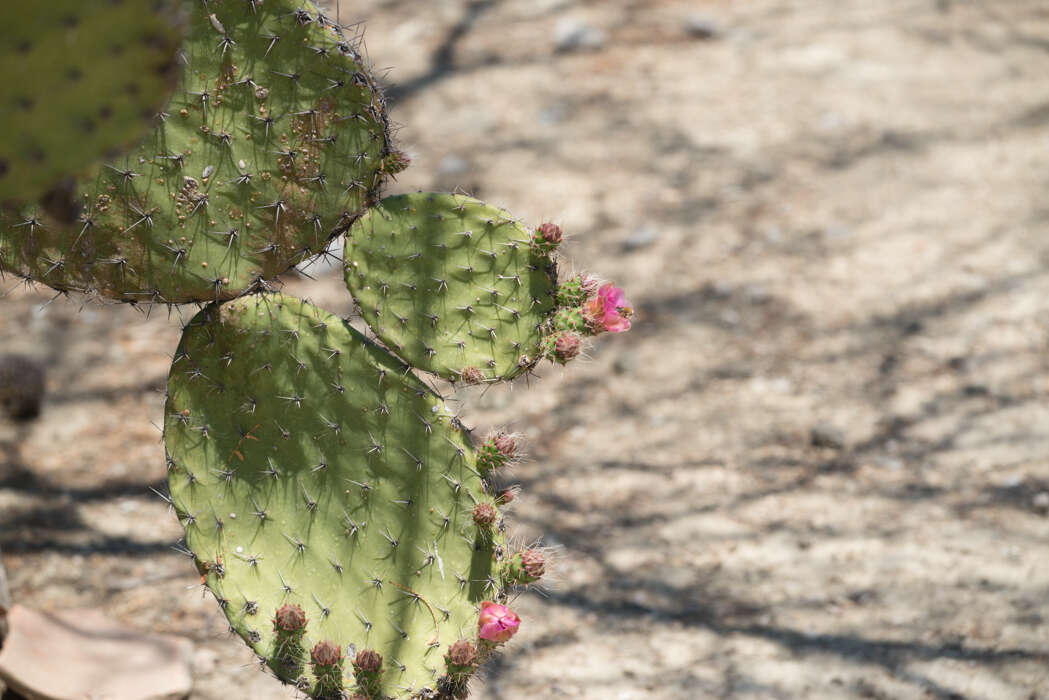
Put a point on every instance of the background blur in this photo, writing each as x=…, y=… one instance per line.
x=818, y=466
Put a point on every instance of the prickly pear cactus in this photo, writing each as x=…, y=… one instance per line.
x=333, y=504
x=82, y=82
x=454, y=286
x=275, y=141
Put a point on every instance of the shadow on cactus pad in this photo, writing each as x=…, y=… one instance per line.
x=454, y=286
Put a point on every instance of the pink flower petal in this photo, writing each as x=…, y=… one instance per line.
x=497, y=623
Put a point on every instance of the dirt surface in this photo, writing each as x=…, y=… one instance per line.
x=817, y=467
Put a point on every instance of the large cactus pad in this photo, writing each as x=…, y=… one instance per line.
x=274, y=142
x=310, y=468
x=81, y=82
x=452, y=285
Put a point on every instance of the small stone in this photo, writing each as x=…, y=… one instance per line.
x=1041, y=502
x=97, y=657
x=453, y=164
x=700, y=27
x=625, y=363
x=641, y=238
x=576, y=35
x=21, y=386
x=827, y=436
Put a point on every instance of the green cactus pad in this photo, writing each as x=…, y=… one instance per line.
x=82, y=82
x=451, y=284
x=275, y=140
x=310, y=468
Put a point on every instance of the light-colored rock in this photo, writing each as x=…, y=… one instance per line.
x=98, y=658
x=577, y=35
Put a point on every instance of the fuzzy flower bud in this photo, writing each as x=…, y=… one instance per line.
x=326, y=654
x=551, y=233
x=289, y=619
x=534, y=563
x=498, y=449
x=505, y=444
x=367, y=669
x=547, y=237
x=497, y=622
x=462, y=655
x=368, y=661
x=609, y=310
x=589, y=283
x=485, y=515
x=397, y=161
x=527, y=566
x=566, y=347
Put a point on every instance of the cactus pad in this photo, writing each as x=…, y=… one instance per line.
x=313, y=473
x=452, y=285
x=275, y=140
x=82, y=80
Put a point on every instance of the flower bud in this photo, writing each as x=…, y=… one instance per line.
x=289, y=619
x=485, y=515
x=547, y=237
x=326, y=654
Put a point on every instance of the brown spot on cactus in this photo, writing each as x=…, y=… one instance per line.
x=471, y=375
x=485, y=515
x=289, y=619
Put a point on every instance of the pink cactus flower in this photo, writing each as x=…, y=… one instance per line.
x=498, y=623
x=609, y=310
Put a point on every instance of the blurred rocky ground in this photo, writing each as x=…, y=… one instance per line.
x=816, y=468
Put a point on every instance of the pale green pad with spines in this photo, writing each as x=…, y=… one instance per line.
x=450, y=283
x=277, y=407
x=301, y=114
x=81, y=82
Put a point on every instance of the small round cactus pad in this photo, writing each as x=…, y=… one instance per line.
x=275, y=140
x=317, y=478
x=81, y=82
x=452, y=285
